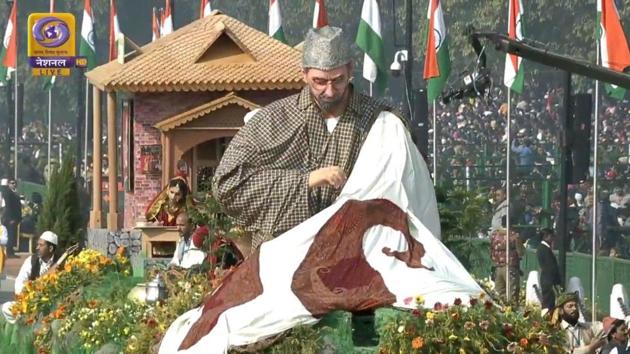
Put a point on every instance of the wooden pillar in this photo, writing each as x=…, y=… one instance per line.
x=167, y=159
x=193, y=168
x=96, y=214
x=112, y=139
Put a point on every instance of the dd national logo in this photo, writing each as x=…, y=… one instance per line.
x=52, y=44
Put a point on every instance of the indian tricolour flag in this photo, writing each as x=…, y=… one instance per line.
x=613, y=44
x=86, y=46
x=155, y=26
x=8, y=55
x=513, y=77
x=437, y=63
x=206, y=8
x=320, y=15
x=167, y=24
x=369, y=39
x=114, y=30
x=275, y=22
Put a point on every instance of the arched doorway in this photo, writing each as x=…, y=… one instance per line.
x=203, y=160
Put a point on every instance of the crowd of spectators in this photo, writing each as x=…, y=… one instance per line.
x=471, y=151
x=33, y=149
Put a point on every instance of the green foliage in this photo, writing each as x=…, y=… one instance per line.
x=464, y=214
x=207, y=211
x=61, y=212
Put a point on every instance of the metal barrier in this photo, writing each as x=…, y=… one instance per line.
x=610, y=271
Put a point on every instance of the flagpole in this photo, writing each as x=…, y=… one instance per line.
x=49, y=133
x=595, y=198
x=434, y=144
x=507, y=197
x=87, y=117
x=15, y=123
x=371, y=88
x=51, y=10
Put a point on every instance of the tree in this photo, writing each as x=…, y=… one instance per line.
x=61, y=210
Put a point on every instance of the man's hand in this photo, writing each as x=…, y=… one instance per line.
x=332, y=176
x=596, y=344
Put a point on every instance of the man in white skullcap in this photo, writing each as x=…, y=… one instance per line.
x=35, y=266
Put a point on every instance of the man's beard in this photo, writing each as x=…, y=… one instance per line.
x=329, y=104
x=572, y=319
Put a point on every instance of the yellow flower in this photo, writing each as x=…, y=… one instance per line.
x=452, y=337
x=430, y=315
x=462, y=351
x=419, y=300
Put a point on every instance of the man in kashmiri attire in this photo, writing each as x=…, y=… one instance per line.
x=291, y=160
x=581, y=337
x=170, y=204
x=331, y=179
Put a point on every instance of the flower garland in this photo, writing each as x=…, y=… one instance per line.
x=39, y=296
x=477, y=327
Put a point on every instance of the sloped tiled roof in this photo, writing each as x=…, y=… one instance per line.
x=192, y=114
x=216, y=53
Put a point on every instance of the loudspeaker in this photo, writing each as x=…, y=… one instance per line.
x=580, y=132
x=420, y=122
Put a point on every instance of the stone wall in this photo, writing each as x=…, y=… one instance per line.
x=107, y=242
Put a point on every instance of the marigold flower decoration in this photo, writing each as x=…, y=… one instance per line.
x=39, y=295
x=417, y=343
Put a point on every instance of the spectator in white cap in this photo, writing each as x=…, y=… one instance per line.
x=35, y=266
x=579, y=199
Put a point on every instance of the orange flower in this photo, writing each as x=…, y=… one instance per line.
x=523, y=342
x=121, y=251
x=417, y=343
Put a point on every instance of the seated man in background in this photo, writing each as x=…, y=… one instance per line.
x=188, y=251
x=34, y=266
